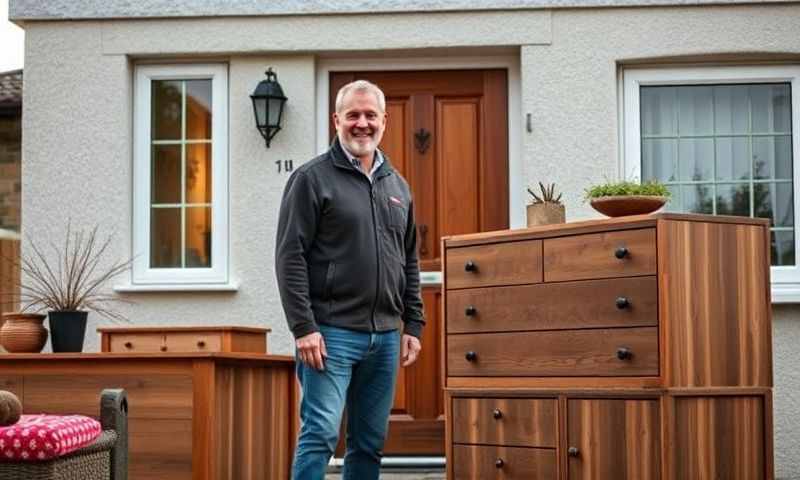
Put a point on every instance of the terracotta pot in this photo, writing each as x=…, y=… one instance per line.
x=23, y=332
x=547, y=213
x=623, y=205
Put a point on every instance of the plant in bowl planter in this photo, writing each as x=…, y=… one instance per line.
x=617, y=199
x=546, y=208
x=68, y=284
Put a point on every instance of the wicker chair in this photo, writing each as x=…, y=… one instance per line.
x=104, y=459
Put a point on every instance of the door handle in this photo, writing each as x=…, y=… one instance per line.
x=423, y=235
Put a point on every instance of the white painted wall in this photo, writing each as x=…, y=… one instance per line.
x=77, y=125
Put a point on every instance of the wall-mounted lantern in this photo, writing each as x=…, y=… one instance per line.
x=268, y=100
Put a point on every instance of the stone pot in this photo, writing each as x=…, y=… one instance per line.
x=546, y=213
x=23, y=332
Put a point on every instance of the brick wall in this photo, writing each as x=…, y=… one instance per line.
x=10, y=170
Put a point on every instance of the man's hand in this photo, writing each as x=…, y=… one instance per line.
x=311, y=350
x=409, y=349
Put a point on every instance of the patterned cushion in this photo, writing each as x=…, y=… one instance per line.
x=42, y=437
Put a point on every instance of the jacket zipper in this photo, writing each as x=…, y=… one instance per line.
x=377, y=253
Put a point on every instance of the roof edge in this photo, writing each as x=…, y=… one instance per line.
x=37, y=10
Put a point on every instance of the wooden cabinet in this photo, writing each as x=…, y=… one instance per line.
x=192, y=416
x=633, y=348
x=183, y=339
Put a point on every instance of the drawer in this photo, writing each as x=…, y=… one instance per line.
x=623, y=302
x=136, y=343
x=600, y=255
x=512, y=263
x=472, y=462
x=522, y=422
x=567, y=353
x=193, y=342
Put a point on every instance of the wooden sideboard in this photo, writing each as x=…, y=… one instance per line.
x=220, y=338
x=634, y=348
x=199, y=416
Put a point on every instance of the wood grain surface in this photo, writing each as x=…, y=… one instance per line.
x=555, y=353
x=719, y=437
x=616, y=439
x=554, y=306
x=497, y=264
x=472, y=462
x=520, y=422
x=593, y=255
x=714, y=306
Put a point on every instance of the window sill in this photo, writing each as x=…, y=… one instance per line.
x=785, y=293
x=189, y=287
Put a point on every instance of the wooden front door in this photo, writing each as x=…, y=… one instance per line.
x=447, y=134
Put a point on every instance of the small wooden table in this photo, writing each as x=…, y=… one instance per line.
x=220, y=338
x=198, y=416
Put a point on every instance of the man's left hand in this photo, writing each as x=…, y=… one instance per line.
x=410, y=349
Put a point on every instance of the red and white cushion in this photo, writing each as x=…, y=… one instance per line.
x=42, y=437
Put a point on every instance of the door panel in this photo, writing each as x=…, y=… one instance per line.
x=447, y=135
x=617, y=439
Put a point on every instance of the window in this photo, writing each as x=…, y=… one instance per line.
x=180, y=175
x=724, y=140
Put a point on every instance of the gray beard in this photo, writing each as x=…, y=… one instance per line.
x=358, y=150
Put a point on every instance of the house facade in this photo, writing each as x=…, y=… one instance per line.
x=10, y=149
x=138, y=118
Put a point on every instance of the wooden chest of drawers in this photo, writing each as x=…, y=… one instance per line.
x=183, y=339
x=635, y=348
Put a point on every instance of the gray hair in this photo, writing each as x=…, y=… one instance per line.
x=360, y=86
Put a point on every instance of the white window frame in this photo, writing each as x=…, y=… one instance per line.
x=785, y=280
x=143, y=274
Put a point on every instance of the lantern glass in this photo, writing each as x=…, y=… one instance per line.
x=260, y=105
x=275, y=110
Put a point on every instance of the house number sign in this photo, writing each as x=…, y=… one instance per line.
x=285, y=166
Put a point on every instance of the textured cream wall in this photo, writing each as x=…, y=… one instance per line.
x=78, y=110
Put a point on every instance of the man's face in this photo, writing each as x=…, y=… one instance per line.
x=360, y=123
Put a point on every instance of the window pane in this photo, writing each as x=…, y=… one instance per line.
x=660, y=160
x=198, y=109
x=198, y=173
x=731, y=109
x=782, y=247
x=733, y=199
x=733, y=158
x=772, y=157
x=771, y=108
x=674, y=203
x=166, y=167
x=198, y=237
x=774, y=201
x=698, y=198
x=166, y=109
x=696, y=159
x=165, y=237
x=658, y=106
x=695, y=111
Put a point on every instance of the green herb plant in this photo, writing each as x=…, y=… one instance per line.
x=626, y=188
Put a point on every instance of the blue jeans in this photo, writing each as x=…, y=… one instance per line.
x=360, y=373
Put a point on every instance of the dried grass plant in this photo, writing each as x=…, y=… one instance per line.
x=72, y=278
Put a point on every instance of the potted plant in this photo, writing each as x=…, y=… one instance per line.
x=68, y=284
x=617, y=199
x=545, y=208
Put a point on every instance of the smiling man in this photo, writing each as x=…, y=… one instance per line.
x=348, y=274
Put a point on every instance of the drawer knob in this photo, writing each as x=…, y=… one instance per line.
x=471, y=266
x=470, y=311
x=471, y=356
x=128, y=345
x=623, y=303
x=573, y=451
x=497, y=414
x=163, y=348
x=621, y=252
x=624, y=353
x=499, y=463
x=201, y=344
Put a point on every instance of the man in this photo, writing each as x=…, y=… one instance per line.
x=348, y=274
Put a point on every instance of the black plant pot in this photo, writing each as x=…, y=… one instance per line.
x=67, y=330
